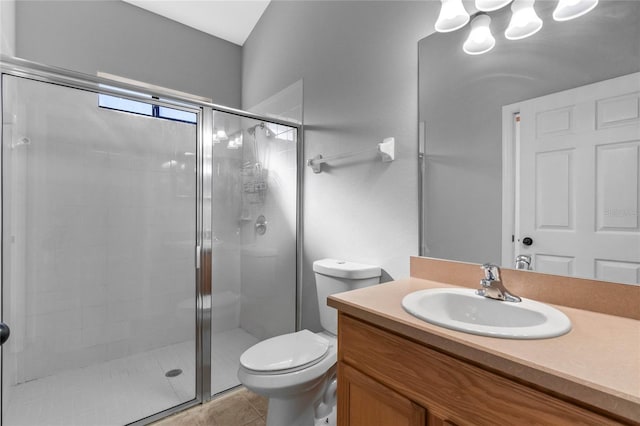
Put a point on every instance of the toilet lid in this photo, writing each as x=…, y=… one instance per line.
x=286, y=352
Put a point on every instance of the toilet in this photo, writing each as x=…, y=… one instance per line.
x=297, y=371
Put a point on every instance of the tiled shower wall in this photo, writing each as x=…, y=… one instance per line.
x=109, y=235
x=269, y=261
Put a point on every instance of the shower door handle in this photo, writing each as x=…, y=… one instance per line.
x=4, y=333
x=198, y=256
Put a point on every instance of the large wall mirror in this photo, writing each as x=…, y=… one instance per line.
x=534, y=147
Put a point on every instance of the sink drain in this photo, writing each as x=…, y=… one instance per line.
x=173, y=373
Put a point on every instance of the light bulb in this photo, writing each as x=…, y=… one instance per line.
x=480, y=39
x=570, y=9
x=524, y=21
x=491, y=5
x=452, y=16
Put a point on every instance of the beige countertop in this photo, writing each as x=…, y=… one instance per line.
x=597, y=363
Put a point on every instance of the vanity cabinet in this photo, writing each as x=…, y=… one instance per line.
x=368, y=402
x=385, y=379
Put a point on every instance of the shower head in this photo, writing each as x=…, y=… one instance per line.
x=267, y=131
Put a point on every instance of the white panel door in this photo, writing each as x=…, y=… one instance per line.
x=579, y=181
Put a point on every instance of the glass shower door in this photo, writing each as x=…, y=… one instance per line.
x=98, y=240
x=254, y=191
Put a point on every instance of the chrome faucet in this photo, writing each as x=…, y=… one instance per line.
x=492, y=287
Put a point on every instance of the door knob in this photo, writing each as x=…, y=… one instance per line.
x=527, y=241
x=4, y=332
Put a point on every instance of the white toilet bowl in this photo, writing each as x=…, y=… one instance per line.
x=301, y=386
x=297, y=371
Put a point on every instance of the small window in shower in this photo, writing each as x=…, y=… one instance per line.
x=176, y=114
x=137, y=107
x=127, y=105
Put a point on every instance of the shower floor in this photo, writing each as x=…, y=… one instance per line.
x=112, y=393
x=227, y=346
x=124, y=390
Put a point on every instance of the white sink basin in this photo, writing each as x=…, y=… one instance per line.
x=463, y=310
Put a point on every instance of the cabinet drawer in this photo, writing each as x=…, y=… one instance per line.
x=449, y=388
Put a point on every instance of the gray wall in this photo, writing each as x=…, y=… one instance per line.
x=7, y=27
x=358, y=62
x=461, y=99
x=121, y=39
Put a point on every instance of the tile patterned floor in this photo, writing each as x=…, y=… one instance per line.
x=237, y=408
x=124, y=390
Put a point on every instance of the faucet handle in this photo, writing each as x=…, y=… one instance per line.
x=491, y=272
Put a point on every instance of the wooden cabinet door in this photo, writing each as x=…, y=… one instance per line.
x=364, y=402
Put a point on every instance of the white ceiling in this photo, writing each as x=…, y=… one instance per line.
x=231, y=20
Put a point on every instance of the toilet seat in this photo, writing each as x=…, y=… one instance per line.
x=286, y=353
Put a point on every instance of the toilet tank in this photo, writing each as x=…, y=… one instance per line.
x=335, y=276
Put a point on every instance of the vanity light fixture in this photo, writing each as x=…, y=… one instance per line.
x=221, y=135
x=232, y=144
x=452, y=16
x=570, y=9
x=491, y=5
x=524, y=21
x=235, y=142
x=480, y=39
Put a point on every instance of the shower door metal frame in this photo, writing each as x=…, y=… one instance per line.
x=204, y=145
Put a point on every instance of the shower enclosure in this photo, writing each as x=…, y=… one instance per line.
x=253, y=238
x=148, y=239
